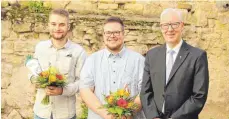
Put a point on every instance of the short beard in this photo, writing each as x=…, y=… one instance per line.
x=59, y=38
x=115, y=49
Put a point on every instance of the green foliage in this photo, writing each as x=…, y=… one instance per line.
x=34, y=10
x=84, y=112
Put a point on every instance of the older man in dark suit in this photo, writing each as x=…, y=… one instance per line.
x=176, y=78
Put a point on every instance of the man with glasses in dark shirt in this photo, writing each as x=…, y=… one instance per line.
x=175, y=79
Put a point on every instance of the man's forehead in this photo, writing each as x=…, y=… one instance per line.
x=112, y=25
x=57, y=19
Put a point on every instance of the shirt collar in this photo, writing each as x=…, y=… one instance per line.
x=176, y=48
x=67, y=45
x=120, y=54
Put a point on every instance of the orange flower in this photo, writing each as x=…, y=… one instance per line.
x=60, y=77
x=44, y=74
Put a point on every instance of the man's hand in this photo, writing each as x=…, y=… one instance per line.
x=126, y=117
x=113, y=117
x=53, y=90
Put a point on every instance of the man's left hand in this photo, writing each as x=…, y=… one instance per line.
x=53, y=90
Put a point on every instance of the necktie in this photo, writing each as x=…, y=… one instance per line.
x=168, y=70
x=169, y=65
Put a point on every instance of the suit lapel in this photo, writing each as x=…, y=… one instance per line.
x=181, y=56
x=161, y=58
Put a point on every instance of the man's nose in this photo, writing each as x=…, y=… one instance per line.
x=170, y=28
x=112, y=35
x=57, y=27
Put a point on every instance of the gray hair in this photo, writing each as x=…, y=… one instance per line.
x=172, y=10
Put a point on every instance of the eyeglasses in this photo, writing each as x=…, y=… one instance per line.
x=109, y=33
x=173, y=25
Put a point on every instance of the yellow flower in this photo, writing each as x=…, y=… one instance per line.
x=52, y=78
x=127, y=94
x=130, y=104
x=110, y=99
x=53, y=70
x=121, y=92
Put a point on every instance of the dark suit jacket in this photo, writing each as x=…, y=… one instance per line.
x=186, y=91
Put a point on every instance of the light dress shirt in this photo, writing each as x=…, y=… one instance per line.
x=107, y=72
x=69, y=61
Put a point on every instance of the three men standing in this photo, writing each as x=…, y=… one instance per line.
x=173, y=82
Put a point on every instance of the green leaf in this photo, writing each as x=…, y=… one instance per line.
x=119, y=110
x=112, y=110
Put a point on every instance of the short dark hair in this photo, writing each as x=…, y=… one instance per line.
x=61, y=12
x=114, y=19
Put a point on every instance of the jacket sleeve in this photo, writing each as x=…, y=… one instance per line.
x=147, y=93
x=196, y=102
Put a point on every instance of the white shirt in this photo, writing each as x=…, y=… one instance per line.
x=69, y=61
x=176, y=49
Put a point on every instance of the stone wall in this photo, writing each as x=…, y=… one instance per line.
x=206, y=27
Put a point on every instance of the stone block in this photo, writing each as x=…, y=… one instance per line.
x=13, y=59
x=5, y=83
x=126, y=1
x=219, y=26
x=106, y=1
x=3, y=103
x=201, y=18
x=4, y=4
x=152, y=10
x=140, y=48
x=7, y=68
x=150, y=38
x=133, y=33
x=135, y=8
x=24, y=46
x=41, y=27
x=28, y=36
x=6, y=25
x=104, y=6
x=55, y=4
x=44, y=36
x=211, y=23
x=7, y=47
x=224, y=17
x=81, y=6
x=24, y=27
x=131, y=38
x=14, y=115
x=184, y=6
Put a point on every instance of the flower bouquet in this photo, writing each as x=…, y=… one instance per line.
x=120, y=104
x=42, y=79
x=50, y=77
